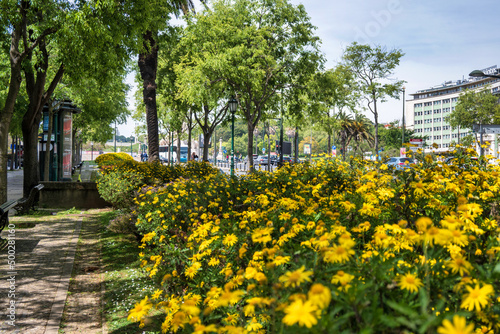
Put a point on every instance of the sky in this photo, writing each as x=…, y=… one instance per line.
x=441, y=40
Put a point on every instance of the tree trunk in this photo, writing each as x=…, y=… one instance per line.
x=189, y=128
x=178, y=153
x=250, y=129
x=206, y=143
x=30, y=135
x=375, y=118
x=148, y=65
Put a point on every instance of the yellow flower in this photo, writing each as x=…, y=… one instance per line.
x=410, y=282
x=295, y=278
x=300, y=312
x=279, y=260
x=338, y=253
x=191, y=271
x=284, y=216
x=319, y=295
x=253, y=325
x=140, y=310
x=231, y=319
x=213, y=262
x=459, y=326
x=230, y=240
x=147, y=237
x=262, y=235
x=156, y=294
x=459, y=264
x=343, y=279
x=477, y=297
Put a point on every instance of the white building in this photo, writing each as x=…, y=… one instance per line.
x=426, y=113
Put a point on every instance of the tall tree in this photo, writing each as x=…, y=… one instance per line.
x=373, y=67
x=81, y=47
x=334, y=90
x=257, y=49
x=155, y=24
x=19, y=20
x=475, y=107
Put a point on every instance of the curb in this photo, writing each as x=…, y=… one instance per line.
x=59, y=302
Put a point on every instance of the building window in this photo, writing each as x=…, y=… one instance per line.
x=428, y=129
x=455, y=99
x=437, y=128
x=428, y=112
x=446, y=127
x=438, y=119
x=427, y=104
x=446, y=101
x=418, y=105
x=418, y=113
x=446, y=109
x=437, y=111
x=437, y=102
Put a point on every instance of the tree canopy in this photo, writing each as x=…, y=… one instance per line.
x=252, y=49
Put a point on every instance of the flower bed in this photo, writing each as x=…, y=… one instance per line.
x=327, y=248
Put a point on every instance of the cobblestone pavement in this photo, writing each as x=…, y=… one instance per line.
x=33, y=291
x=34, y=285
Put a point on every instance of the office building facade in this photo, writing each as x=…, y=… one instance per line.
x=427, y=111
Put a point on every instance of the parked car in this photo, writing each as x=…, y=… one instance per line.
x=261, y=160
x=288, y=160
x=400, y=162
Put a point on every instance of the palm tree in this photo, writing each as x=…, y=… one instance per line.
x=344, y=130
x=361, y=131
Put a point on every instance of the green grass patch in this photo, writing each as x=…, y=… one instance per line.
x=125, y=281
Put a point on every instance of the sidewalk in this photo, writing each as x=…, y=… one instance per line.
x=34, y=287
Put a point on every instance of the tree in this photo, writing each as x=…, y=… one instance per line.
x=19, y=18
x=257, y=49
x=79, y=48
x=372, y=67
x=475, y=107
x=333, y=89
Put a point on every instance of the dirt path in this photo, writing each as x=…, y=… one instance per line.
x=82, y=312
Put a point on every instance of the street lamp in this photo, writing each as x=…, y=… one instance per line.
x=403, y=122
x=233, y=105
x=481, y=74
x=92, y=151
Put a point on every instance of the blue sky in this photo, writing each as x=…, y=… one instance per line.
x=442, y=40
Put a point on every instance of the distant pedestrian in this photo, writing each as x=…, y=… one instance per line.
x=193, y=156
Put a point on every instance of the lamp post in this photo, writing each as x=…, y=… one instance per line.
x=91, y=151
x=481, y=74
x=403, y=122
x=233, y=105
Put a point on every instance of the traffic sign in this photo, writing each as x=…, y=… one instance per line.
x=263, y=150
x=225, y=151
